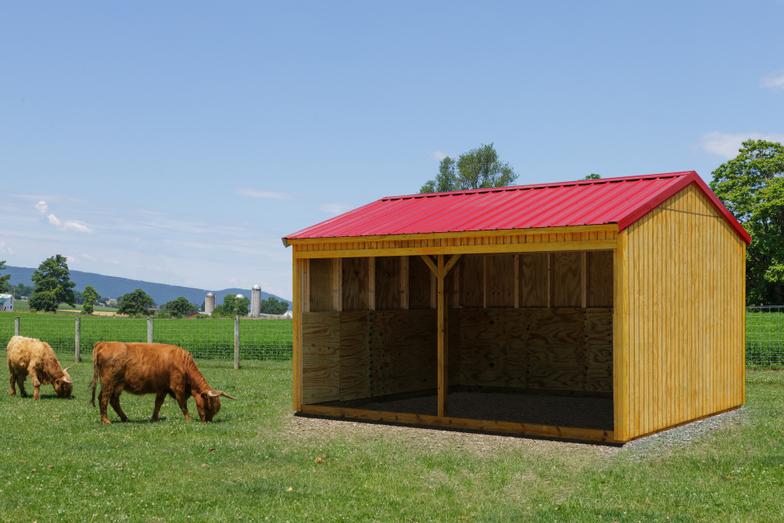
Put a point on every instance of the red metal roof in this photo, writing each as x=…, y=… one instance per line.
x=584, y=202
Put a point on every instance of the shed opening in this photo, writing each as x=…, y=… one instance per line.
x=528, y=338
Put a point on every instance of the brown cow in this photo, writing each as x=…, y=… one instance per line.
x=36, y=358
x=151, y=368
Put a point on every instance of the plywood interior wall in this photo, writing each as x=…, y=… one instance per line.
x=681, y=304
x=567, y=350
x=351, y=355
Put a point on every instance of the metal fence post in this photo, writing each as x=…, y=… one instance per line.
x=17, y=322
x=149, y=330
x=236, y=342
x=78, y=340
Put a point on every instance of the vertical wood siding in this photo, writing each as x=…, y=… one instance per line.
x=679, y=317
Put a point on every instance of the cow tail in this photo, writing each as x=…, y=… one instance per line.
x=94, y=383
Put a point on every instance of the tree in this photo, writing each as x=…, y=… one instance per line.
x=135, y=303
x=53, y=285
x=4, y=285
x=21, y=290
x=751, y=185
x=476, y=169
x=232, y=306
x=272, y=305
x=179, y=307
x=593, y=176
x=90, y=297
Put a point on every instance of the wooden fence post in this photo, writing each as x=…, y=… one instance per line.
x=149, y=330
x=78, y=340
x=236, y=342
x=17, y=322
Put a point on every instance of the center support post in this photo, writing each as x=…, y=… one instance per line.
x=440, y=270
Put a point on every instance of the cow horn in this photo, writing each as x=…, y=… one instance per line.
x=218, y=393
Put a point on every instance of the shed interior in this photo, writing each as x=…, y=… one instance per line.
x=529, y=336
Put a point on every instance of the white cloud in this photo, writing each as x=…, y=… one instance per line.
x=439, y=155
x=333, y=208
x=728, y=144
x=42, y=206
x=774, y=81
x=267, y=195
x=68, y=225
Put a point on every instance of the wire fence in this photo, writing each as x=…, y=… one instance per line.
x=213, y=338
x=205, y=338
x=765, y=336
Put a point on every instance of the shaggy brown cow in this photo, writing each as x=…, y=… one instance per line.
x=151, y=368
x=36, y=358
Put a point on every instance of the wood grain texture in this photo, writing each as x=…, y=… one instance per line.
x=500, y=275
x=599, y=272
x=683, y=312
x=565, y=281
x=533, y=279
x=320, y=286
x=387, y=283
x=320, y=357
x=355, y=287
x=472, y=281
x=420, y=282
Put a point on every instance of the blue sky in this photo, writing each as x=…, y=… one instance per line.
x=178, y=141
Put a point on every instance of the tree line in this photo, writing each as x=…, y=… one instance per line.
x=52, y=285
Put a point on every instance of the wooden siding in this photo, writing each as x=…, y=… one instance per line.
x=679, y=317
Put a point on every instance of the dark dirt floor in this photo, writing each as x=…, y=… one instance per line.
x=565, y=411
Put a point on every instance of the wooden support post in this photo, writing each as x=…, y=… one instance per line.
x=584, y=280
x=17, y=325
x=236, y=342
x=371, y=283
x=78, y=339
x=517, y=281
x=299, y=298
x=304, y=281
x=149, y=330
x=337, y=284
x=443, y=366
x=404, y=282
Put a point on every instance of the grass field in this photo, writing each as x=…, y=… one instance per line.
x=257, y=462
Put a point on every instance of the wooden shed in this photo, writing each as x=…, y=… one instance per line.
x=598, y=310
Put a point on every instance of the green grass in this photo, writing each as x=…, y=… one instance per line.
x=257, y=462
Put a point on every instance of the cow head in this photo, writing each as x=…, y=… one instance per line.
x=63, y=385
x=208, y=403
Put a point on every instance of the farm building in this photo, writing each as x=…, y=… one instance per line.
x=598, y=310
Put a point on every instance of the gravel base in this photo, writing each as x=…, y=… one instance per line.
x=565, y=411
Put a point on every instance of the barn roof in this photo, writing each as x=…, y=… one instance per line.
x=584, y=202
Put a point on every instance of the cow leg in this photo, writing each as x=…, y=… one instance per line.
x=182, y=400
x=20, y=379
x=158, y=402
x=103, y=403
x=115, y=401
x=11, y=381
x=36, y=386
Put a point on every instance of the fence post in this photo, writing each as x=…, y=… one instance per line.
x=149, y=330
x=78, y=340
x=17, y=328
x=236, y=342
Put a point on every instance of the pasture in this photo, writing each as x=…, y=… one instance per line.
x=257, y=462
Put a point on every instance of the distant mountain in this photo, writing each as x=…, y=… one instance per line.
x=114, y=286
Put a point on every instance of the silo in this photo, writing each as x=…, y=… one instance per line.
x=209, y=303
x=255, y=301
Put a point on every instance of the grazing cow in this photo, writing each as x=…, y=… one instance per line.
x=36, y=358
x=151, y=368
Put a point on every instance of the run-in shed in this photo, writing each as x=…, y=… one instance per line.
x=594, y=310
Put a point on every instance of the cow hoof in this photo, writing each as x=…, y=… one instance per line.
x=105, y=421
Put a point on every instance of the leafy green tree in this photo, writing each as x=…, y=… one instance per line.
x=751, y=185
x=90, y=297
x=476, y=169
x=232, y=306
x=135, y=303
x=272, y=305
x=21, y=290
x=593, y=176
x=4, y=285
x=53, y=285
x=179, y=307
